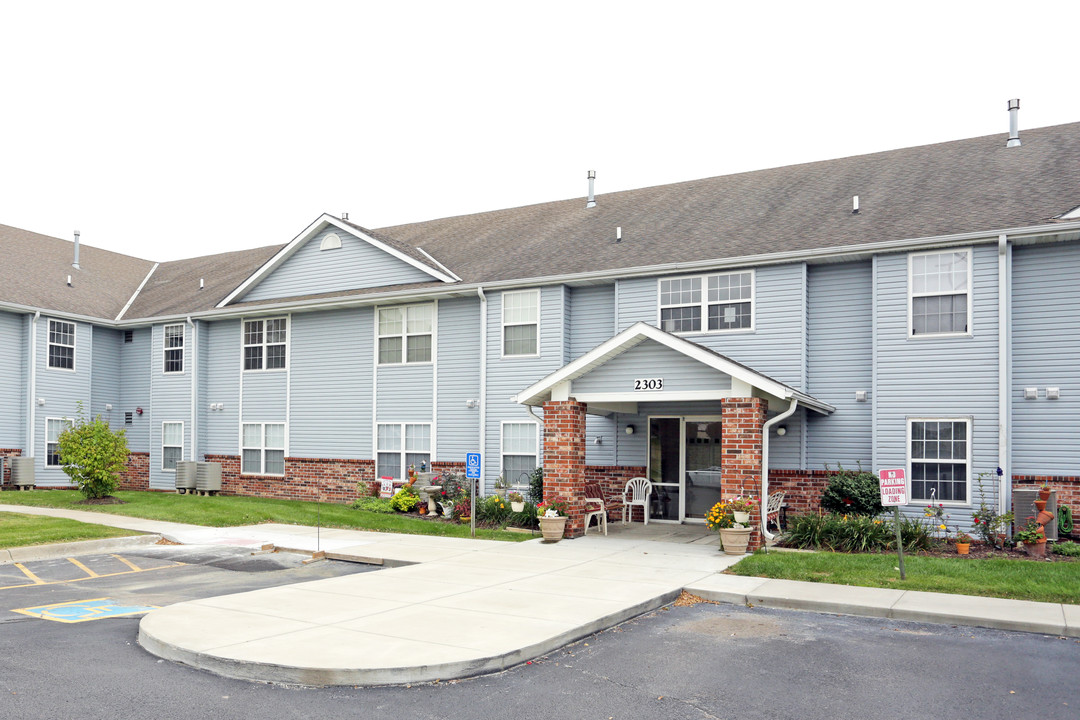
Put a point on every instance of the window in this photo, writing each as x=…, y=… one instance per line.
x=405, y=334
x=172, y=444
x=939, y=457
x=400, y=445
x=725, y=301
x=521, y=323
x=940, y=287
x=61, y=345
x=263, y=450
x=264, y=344
x=53, y=428
x=519, y=457
x=174, y=348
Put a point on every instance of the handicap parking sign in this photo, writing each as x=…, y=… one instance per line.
x=472, y=466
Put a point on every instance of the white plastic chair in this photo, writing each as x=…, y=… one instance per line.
x=638, y=491
x=595, y=507
x=776, y=501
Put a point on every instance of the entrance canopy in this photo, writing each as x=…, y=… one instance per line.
x=646, y=364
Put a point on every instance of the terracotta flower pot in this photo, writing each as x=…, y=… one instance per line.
x=1044, y=494
x=1045, y=516
x=553, y=528
x=1036, y=549
x=963, y=548
x=735, y=540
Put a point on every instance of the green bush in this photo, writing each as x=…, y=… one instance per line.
x=852, y=492
x=1067, y=548
x=536, y=486
x=856, y=533
x=93, y=455
x=374, y=504
x=492, y=511
x=405, y=500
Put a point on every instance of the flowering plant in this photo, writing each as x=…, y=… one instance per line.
x=554, y=508
x=516, y=497
x=720, y=516
x=962, y=538
x=743, y=504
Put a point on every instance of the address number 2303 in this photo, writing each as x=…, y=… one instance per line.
x=649, y=384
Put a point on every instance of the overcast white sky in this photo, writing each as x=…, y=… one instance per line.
x=180, y=129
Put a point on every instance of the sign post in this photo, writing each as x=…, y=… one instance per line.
x=473, y=464
x=894, y=493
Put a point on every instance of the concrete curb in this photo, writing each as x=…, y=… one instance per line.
x=73, y=549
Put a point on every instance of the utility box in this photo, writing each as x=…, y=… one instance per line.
x=185, y=476
x=208, y=477
x=22, y=472
x=1024, y=508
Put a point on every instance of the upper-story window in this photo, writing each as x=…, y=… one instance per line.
x=521, y=323
x=406, y=333
x=61, y=345
x=709, y=303
x=940, y=293
x=173, y=349
x=264, y=343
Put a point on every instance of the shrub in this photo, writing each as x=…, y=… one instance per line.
x=374, y=504
x=524, y=519
x=856, y=533
x=93, y=455
x=536, y=486
x=1067, y=548
x=492, y=510
x=852, y=492
x=405, y=500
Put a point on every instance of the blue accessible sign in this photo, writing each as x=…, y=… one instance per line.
x=472, y=466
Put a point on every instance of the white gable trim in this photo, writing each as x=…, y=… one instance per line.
x=311, y=231
x=558, y=382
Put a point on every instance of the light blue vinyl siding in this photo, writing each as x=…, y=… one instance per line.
x=952, y=377
x=1046, y=353
x=332, y=360
x=786, y=451
x=650, y=359
x=13, y=380
x=592, y=317
x=356, y=264
x=404, y=394
x=264, y=396
x=221, y=374
x=62, y=390
x=459, y=379
x=135, y=373
x=105, y=377
x=840, y=363
x=637, y=301
x=170, y=402
x=202, y=401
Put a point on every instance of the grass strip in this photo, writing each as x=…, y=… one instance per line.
x=18, y=530
x=1057, y=582
x=233, y=510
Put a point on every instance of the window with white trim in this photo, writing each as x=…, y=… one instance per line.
x=519, y=452
x=172, y=444
x=400, y=445
x=53, y=428
x=939, y=457
x=264, y=343
x=940, y=291
x=173, y=348
x=262, y=450
x=709, y=303
x=61, y=345
x=406, y=333
x=521, y=323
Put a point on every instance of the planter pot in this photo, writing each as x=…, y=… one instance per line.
x=743, y=518
x=448, y=511
x=1040, y=505
x=735, y=540
x=517, y=506
x=1044, y=494
x=1036, y=549
x=465, y=519
x=553, y=528
x=1044, y=517
x=963, y=548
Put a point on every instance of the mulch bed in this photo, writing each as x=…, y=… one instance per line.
x=981, y=551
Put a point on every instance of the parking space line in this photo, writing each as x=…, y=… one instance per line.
x=82, y=567
x=127, y=562
x=33, y=578
x=37, y=582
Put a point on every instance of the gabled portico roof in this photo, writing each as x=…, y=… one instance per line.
x=744, y=380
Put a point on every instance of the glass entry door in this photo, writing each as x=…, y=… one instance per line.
x=702, y=461
x=665, y=468
x=684, y=467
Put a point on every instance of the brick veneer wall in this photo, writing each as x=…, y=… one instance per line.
x=327, y=480
x=564, y=459
x=8, y=453
x=741, y=446
x=802, y=489
x=612, y=479
x=137, y=474
x=1067, y=488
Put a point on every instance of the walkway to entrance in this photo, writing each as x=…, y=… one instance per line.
x=689, y=533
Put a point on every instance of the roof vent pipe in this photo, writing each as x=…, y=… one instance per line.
x=1014, y=132
x=69, y=281
x=854, y=204
x=592, y=195
x=618, y=234
x=75, y=264
x=345, y=216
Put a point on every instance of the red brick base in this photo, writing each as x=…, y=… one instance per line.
x=326, y=480
x=137, y=474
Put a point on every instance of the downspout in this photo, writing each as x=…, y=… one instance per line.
x=1005, y=481
x=32, y=395
x=483, y=369
x=194, y=388
x=765, y=430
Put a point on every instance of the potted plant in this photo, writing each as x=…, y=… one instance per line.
x=1044, y=492
x=552, y=517
x=733, y=539
x=517, y=502
x=741, y=507
x=501, y=486
x=1033, y=537
x=963, y=543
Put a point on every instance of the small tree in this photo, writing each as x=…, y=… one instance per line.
x=93, y=455
x=852, y=492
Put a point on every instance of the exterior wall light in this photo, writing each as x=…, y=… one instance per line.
x=629, y=429
x=781, y=430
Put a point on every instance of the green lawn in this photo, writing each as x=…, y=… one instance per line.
x=1057, y=582
x=229, y=511
x=17, y=530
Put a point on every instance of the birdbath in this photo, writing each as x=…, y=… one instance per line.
x=432, y=491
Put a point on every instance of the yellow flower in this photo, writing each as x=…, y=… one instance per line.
x=941, y=526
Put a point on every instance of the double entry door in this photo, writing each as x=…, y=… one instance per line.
x=684, y=466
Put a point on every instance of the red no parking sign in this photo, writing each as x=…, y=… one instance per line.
x=893, y=487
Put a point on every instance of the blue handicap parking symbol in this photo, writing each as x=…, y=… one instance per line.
x=83, y=610
x=472, y=465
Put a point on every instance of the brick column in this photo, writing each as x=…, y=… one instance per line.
x=564, y=459
x=741, y=467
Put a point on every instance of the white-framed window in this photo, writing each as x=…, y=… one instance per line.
x=939, y=460
x=61, y=345
x=521, y=323
x=400, y=445
x=265, y=343
x=172, y=444
x=939, y=293
x=717, y=302
x=173, y=349
x=53, y=428
x=519, y=442
x=262, y=450
x=406, y=333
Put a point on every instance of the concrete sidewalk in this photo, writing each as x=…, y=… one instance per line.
x=453, y=607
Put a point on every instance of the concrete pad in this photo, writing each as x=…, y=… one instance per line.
x=382, y=586
x=630, y=593
x=519, y=604
x=607, y=570
x=198, y=627
x=74, y=549
x=821, y=597
x=997, y=613
x=473, y=575
x=402, y=552
x=733, y=589
x=510, y=562
x=1072, y=620
x=296, y=603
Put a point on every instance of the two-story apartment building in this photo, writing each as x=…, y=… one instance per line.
x=915, y=308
